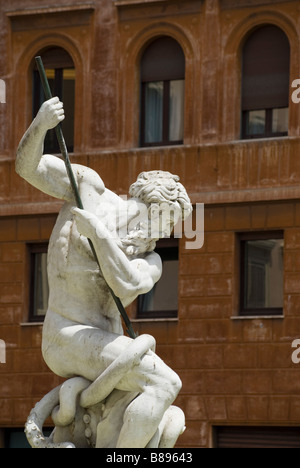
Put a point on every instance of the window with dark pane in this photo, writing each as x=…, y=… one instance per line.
x=39, y=288
x=162, y=93
x=60, y=72
x=265, y=83
x=162, y=300
x=262, y=274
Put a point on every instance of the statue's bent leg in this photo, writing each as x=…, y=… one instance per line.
x=70, y=349
x=159, y=388
x=170, y=428
x=87, y=352
x=173, y=427
x=112, y=375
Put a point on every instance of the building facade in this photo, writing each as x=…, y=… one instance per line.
x=206, y=89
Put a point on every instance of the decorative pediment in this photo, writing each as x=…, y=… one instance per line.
x=59, y=16
x=133, y=9
x=230, y=4
x=136, y=2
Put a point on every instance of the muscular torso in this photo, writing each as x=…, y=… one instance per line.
x=78, y=290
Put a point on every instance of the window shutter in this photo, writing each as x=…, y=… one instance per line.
x=163, y=60
x=57, y=57
x=257, y=437
x=266, y=70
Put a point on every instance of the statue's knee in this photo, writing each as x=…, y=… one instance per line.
x=168, y=388
x=145, y=414
x=174, y=385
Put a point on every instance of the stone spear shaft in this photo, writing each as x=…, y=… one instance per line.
x=65, y=155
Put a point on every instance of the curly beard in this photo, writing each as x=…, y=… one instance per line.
x=137, y=242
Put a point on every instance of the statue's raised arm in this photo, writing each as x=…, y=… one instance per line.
x=45, y=172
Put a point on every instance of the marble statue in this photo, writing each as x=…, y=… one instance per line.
x=118, y=392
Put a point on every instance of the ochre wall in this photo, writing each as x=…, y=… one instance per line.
x=233, y=371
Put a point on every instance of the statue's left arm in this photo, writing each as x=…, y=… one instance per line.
x=126, y=277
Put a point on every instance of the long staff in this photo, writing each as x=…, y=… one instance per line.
x=65, y=155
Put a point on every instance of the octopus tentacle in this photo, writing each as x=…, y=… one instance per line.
x=36, y=419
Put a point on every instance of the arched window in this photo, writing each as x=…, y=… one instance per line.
x=265, y=83
x=60, y=72
x=162, y=93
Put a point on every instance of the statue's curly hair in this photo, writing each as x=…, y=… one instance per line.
x=161, y=186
